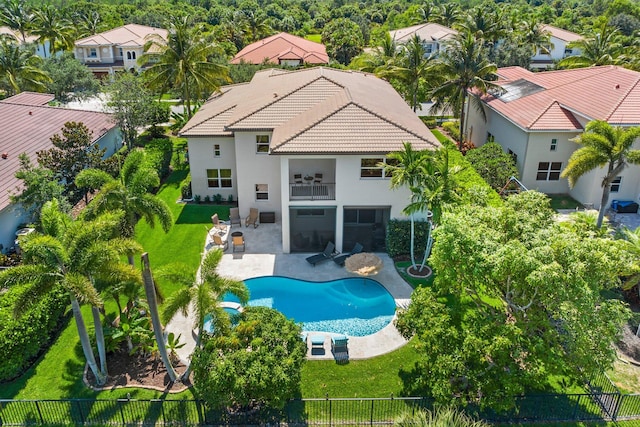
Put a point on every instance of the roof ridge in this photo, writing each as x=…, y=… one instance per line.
x=185, y=129
x=53, y=107
x=398, y=125
x=599, y=69
x=551, y=104
x=622, y=98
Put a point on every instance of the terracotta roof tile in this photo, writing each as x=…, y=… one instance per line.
x=127, y=35
x=280, y=47
x=28, y=129
x=561, y=34
x=427, y=31
x=30, y=98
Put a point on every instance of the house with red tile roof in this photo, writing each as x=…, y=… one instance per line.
x=117, y=49
x=283, y=49
x=434, y=36
x=28, y=125
x=559, y=48
x=310, y=146
x=40, y=49
x=539, y=113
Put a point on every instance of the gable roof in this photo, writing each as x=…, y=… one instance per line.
x=429, y=31
x=29, y=128
x=561, y=33
x=16, y=35
x=127, y=35
x=315, y=110
x=607, y=93
x=30, y=98
x=282, y=46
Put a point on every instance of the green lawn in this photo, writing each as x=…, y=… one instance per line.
x=314, y=37
x=564, y=201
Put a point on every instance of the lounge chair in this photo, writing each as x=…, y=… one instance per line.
x=217, y=223
x=317, y=341
x=339, y=344
x=234, y=216
x=252, y=218
x=297, y=178
x=219, y=243
x=340, y=259
x=322, y=256
x=317, y=179
x=238, y=243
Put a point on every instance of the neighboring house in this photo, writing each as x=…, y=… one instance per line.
x=28, y=125
x=433, y=36
x=41, y=49
x=539, y=113
x=283, y=49
x=258, y=141
x=115, y=50
x=559, y=48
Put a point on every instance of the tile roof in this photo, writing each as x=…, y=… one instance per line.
x=282, y=46
x=608, y=93
x=30, y=98
x=427, y=31
x=16, y=35
x=28, y=129
x=127, y=35
x=315, y=110
x=561, y=34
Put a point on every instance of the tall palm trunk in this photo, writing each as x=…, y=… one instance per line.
x=413, y=238
x=462, y=118
x=84, y=341
x=102, y=353
x=149, y=289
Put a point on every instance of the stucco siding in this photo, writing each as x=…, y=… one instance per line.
x=539, y=150
x=202, y=157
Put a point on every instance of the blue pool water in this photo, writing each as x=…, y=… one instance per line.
x=352, y=306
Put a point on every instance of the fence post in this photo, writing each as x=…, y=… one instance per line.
x=330, y=409
x=80, y=410
x=371, y=419
x=575, y=408
x=39, y=413
x=616, y=410
x=121, y=410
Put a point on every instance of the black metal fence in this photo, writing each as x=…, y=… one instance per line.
x=603, y=403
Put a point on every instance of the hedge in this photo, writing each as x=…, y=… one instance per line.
x=160, y=151
x=399, y=237
x=24, y=338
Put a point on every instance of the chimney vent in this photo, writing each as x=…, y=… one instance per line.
x=5, y=155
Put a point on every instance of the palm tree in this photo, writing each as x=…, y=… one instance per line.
x=16, y=15
x=535, y=38
x=601, y=48
x=72, y=254
x=50, y=26
x=413, y=68
x=255, y=24
x=89, y=22
x=408, y=169
x=20, y=68
x=428, y=12
x=603, y=146
x=182, y=62
x=465, y=68
x=449, y=14
x=130, y=192
x=202, y=295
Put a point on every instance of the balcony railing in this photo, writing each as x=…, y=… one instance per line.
x=312, y=191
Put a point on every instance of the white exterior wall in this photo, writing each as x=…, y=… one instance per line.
x=201, y=158
x=539, y=150
x=557, y=53
x=10, y=218
x=252, y=169
x=112, y=141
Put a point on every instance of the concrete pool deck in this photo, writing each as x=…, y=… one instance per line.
x=264, y=257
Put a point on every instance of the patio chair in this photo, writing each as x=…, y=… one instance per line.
x=238, y=244
x=252, y=218
x=217, y=223
x=339, y=344
x=219, y=243
x=325, y=255
x=297, y=178
x=317, y=179
x=234, y=216
x=317, y=342
x=340, y=259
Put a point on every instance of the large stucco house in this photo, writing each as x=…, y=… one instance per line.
x=40, y=49
x=434, y=36
x=539, y=113
x=559, y=48
x=307, y=146
x=283, y=49
x=117, y=49
x=28, y=124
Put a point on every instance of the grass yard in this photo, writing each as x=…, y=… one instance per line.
x=314, y=37
x=564, y=201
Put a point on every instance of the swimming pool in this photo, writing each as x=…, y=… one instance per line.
x=351, y=306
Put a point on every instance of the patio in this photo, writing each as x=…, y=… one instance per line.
x=263, y=257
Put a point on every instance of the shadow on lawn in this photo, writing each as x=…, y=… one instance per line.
x=201, y=214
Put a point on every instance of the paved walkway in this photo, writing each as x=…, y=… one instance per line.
x=629, y=220
x=264, y=257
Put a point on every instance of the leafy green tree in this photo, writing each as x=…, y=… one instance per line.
x=601, y=48
x=343, y=40
x=74, y=254
x=202, y=295
x=439, y=417
x=493, y=164
x=450, y=14
x=38, y=187
x=182, y=63
x=130, y=192
x=534, y=37
x=603, y=146
x=131, y=105
x=50, y=26
x=72, y=152
x=465, y=68
x=70, y=80
x=20, y=68
x=17, y=15
x=259, y=361
x=524, y=301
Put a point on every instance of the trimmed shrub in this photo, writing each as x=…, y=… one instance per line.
x=185, y=190
x=493, y=164
x=429, y=121
x=399, y=237
x=24, y=338
x=160, y=152
x=452, y=129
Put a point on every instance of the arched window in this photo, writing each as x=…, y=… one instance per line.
x=133, y=55
x=128, y=55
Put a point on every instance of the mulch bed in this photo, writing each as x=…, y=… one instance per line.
x=137, y=371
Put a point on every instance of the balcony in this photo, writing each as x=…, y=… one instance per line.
x=312, y=191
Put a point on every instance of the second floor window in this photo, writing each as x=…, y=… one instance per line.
x=219, y=178
x=375, y=167
x=262, y=144
x=554, y=144
x=216, y=150
x=615, y=185
x=548, y=171
x=93, y=53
